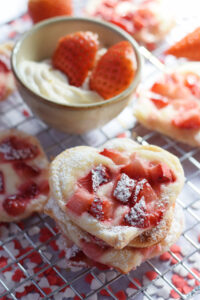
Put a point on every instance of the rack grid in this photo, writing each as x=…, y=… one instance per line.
x=32, y=263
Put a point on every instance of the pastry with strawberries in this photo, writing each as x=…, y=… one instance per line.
x=146, y=20
x=7, y=83
x=24, y=187
x=172, y=104
x=187, y=47
x=113, y=201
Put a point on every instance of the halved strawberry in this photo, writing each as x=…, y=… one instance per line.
x=80, y=202
x=114, y=71
x=117, y=157
x=188, y=46
x=75, y=55
x=160, y=173
x=136, y=168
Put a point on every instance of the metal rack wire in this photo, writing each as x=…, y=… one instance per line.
x=34, y=247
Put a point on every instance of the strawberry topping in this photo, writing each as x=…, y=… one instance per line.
x=3, y=67
x=117, y=157
x=2, y=184
x=75, y=55
x=114, y=71
x=96, y=209
x=14, y=149
x=160, y=173
x=124, y=187
x=26, y=170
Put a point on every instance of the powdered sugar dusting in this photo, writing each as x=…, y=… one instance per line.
x=98, y=177
x=124, y=188
x=137, y=214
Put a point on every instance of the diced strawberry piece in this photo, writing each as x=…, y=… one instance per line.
x=114, y=71
x=75, y=55
x=160, y=102
x=96, y=209
x=80, y=202
x=188, y=46
x=92, y=250
x=137, y=215
x=143, y=189
x=2, y=184
x=117, y=157
x=100, y=175
x=29, y=190
x=26, y=170
x=14, y=205
x=192, y=81
x=136, y=168
x=86, y=182
x=190, y=120
x=160, y=173
x=14, y=149
x=100, y=209
x=123, y=188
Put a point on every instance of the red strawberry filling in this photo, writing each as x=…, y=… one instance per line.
x=15, y=204
x=25, y=170
x=15, y=149
x=2, y=187
x=136, y=187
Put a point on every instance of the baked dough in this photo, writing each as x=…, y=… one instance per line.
x=24, y=184
x=123, y=260
x=178, y=95
x=147, y=33
x=71, y=166
x=7, y=82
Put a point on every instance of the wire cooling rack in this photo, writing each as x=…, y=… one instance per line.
x=32, y=254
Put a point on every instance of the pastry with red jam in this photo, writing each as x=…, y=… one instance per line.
x=171, y=105
x=116, y=201
x=146, y=20
x=7, y=83
x=24, y=187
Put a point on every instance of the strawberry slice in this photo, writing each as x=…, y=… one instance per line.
x=188, y=46
x=136, y=168
x=117, y=157
x=80, y=202
x=160, y=173
x=75, y=55
x=160, y=101
x=114, y=71
x=2, y=184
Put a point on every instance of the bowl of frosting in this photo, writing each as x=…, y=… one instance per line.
x=66, y=84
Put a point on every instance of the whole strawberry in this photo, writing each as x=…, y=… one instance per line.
x=75, y=55
x=114, y=71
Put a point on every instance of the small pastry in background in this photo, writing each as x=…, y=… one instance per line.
x=171, y=105
x=24, y=187
x=7, y=83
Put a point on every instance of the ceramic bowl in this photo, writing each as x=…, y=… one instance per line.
x=39, y=43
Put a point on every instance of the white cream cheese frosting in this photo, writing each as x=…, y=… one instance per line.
x=52, y=84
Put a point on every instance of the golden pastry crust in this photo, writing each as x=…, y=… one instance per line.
x=124, y=259
x=161, y=119
x=75, y=163
x=14, y=179
x=7, y=82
